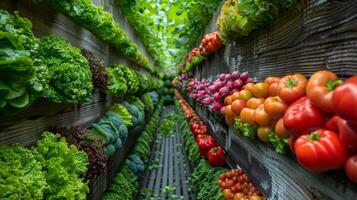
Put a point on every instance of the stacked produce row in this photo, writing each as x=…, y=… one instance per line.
x=221, y=183
x=315, y=116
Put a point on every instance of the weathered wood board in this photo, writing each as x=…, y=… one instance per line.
x=321, y=35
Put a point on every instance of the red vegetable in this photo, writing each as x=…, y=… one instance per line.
x=347, y=132
x=206, y=143
x=351, y=168
x=303, y=117
x=216, y=157
x=344, y=100
x=320, y=87
x=320, y=151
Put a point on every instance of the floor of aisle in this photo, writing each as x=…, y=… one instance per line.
x=169, y=179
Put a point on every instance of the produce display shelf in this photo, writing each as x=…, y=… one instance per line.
x=172, y=169
x=278, y=176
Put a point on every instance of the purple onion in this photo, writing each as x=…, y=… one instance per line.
x=224, y=91
x=235, y=75
x=219, y=84
x=216, y=106
x=230, y=84
x=249, y=80
x=244, y=76
x=227, y=77
x=216, y=96
x=222, y=77
x=212, y=88
x=233, y=91
x=238, y=83
x=207, y=100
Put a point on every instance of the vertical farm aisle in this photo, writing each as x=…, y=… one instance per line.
x=168, y=174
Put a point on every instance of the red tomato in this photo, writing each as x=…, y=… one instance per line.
x=275, y=107
x=351, y=168
x=292, y=87
x=280, y=130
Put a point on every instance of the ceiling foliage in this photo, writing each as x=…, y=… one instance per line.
x=168, y=28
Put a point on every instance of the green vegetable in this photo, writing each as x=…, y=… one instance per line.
x=117, y=81
x=22, y=78
x=21, y=176
x=99, y=133
x=70, y=77
x=65, y=167
x=123, y=112
x=246, y=129
x=278, y=143
x=109, y=150
x=168, y=125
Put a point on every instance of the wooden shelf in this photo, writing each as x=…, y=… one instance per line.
x=278, y=176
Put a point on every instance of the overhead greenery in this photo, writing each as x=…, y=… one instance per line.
x=168, y=28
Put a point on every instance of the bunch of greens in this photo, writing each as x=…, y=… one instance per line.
x=117, y=82
x=206, y=187
x=148, y=102
x=246, y=129
x=131, y=78
x=278, y=143
x=22, y=78
x=101, y=24
x=99, y=72
x=123, y=112
x=168, y=125
x=21, y=175
x=64, y=166
x=239, y=18
x=196, y=60
x=93, y=147
x=70, y=77
x=168, y=29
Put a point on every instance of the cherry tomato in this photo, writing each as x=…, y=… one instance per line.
x=273, y=89
x=260, y=90
x=237, y=106
x=247, y=115
x=249, y=87
x=255, y=102
x=245, y=95
x=227, y=194
x=228, y=111
x=351, y=168
x=275, y=107
x=280, y=130
x=263, y=133
x=271, y=79
x=261, y=117
x=228, y=100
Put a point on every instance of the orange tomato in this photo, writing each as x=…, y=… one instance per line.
x=292, y=87
x=273, y=90
x=248, y=86
x=237, y=106
x=247, y=116
x=229, y=120
x=280, y=130
x=228, y=111
x=271, y=79
x=245, y=95
x=235, y=96
x=261, y=117
x=263, y=133
x=228, y=100
x=260, y=90
x=275, y=107
x=255, y=102
x=238, y=196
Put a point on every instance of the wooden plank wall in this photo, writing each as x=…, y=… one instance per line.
x=320, y=35
x=26, y=126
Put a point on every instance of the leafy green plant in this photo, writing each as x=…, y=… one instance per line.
x=21, y=175
x=22, y=78
x=69, y=74
x=246, y=129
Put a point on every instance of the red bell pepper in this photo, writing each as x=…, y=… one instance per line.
x=302, y=117
x=347, y=132
x=216, y=157
x=320, y=151
x=344, y=100
x=205, y=143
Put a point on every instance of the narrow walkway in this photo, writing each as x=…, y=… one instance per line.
x=169, y=177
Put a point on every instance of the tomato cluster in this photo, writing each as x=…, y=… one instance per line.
x=235, y=185
x=318, y=115
x=210, y=43
x=192, y=54
x=206, y=143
